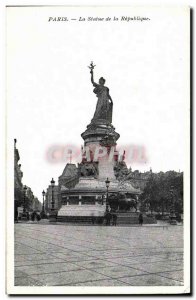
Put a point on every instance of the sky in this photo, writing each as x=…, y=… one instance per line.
x=50, y=98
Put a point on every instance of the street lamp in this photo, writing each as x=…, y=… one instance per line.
x=24, y=201
x=43, y=194
x=172, y=209
x=52, y=184
x=107, y=182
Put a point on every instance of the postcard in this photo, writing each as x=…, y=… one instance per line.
x=98, y=150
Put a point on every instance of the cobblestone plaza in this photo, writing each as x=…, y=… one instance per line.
x=64, y=255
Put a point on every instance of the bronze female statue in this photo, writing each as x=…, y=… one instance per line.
x=104, y=103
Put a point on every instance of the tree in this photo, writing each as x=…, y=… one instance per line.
x=157, y=193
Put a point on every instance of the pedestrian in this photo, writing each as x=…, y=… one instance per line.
x=38, y=217
x=107, y=217
x=140, y=219
x=114, y=219
x=110, y=218
x=33, y=216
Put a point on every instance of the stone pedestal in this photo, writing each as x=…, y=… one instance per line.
x=53, y=216
x=106, y=168
x=82, y=211
x=96, y=132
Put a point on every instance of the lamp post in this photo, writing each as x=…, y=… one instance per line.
x=43, y=208
x=172, y=209
x=53, y=214
x=107, y=182
x=52, y=185
x=24, y=200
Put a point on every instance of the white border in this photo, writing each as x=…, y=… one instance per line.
x=92, y=290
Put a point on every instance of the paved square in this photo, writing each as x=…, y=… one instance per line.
x=60, y=255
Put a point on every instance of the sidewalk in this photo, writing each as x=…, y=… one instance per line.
x=98, y=255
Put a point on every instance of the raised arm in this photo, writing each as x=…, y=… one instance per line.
x=92, y=78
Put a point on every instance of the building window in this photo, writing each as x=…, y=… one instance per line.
x=74, y=200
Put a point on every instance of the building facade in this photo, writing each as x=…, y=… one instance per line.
x=18, y=186
x=48, y=198
x=24, y=199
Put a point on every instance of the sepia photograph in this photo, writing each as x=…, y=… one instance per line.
x=98, y=150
